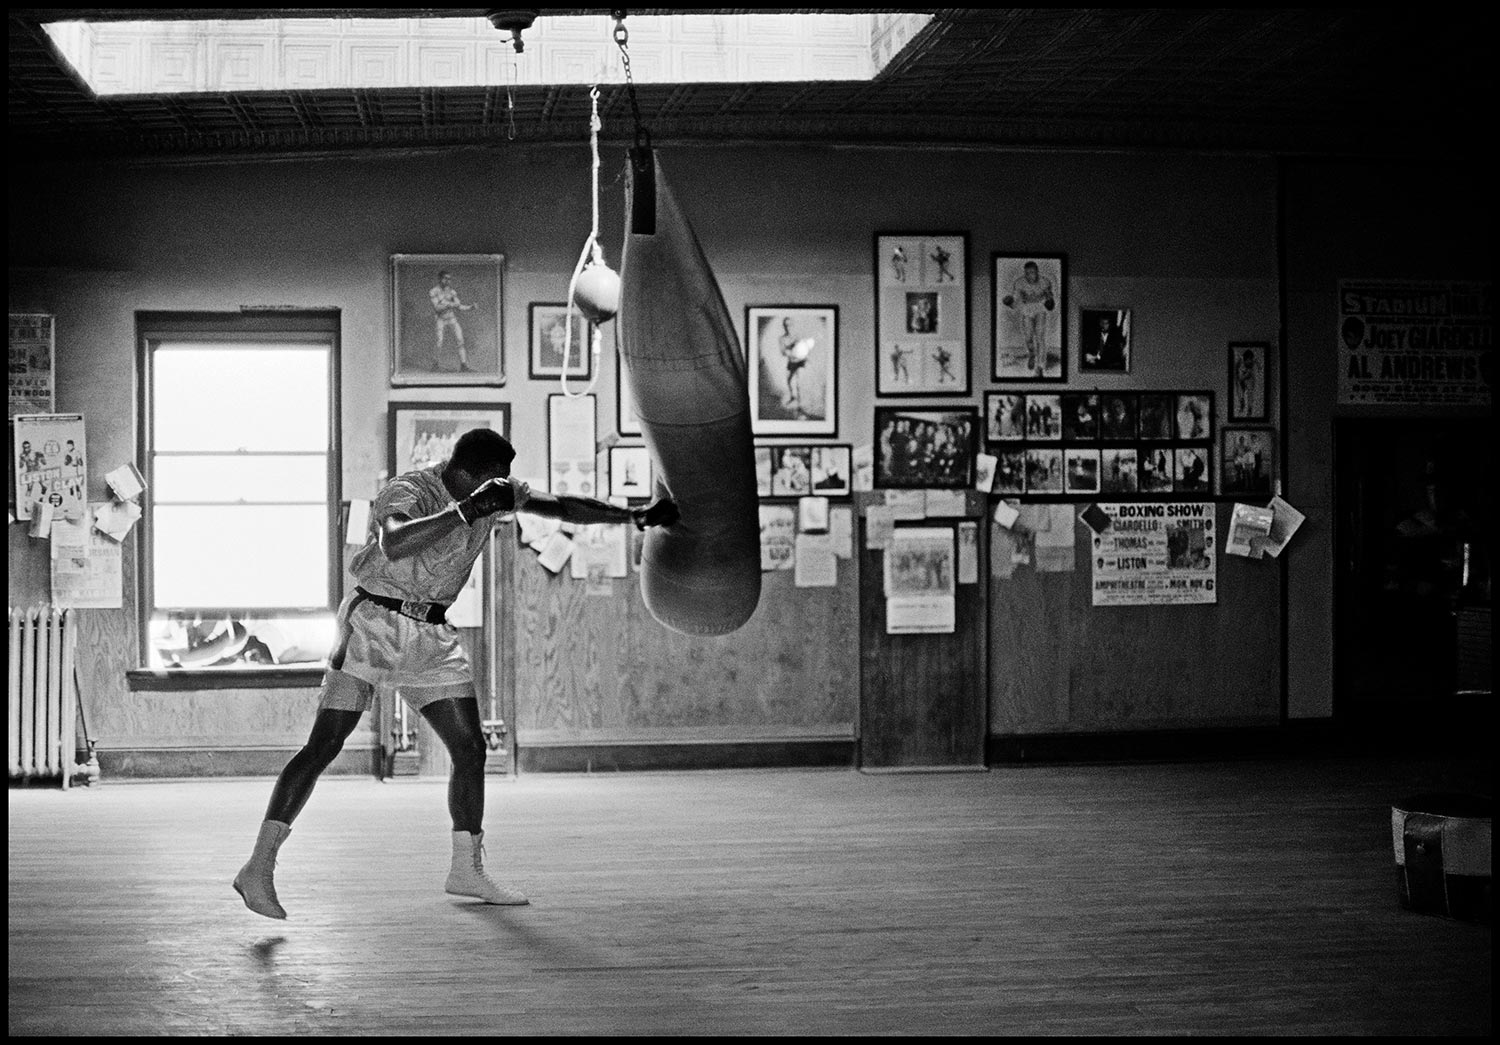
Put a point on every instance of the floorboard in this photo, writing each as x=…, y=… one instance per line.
x=1174, y=899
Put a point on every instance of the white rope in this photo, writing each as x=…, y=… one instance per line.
x=591, y=252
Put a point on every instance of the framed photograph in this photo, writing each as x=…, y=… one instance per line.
x=630, y=472
x=1158, y=411
x=1117, y=414
x=792, y=355
x=925, y=448
x=1004, y=416
x=1030, y=317
x=1195, y=416
x=922, y=314
x=1155, y=469
x=1080, y=412
x=1010, y=472
x=1044, y=470
x=1191, y=474
x=1082, y=471
x=422, y=434
x=571, y=461
x=791, y=471
x=547, y=327
x=1248, y=361
x=447, y=319
x=832, y=474
x=1104, y=339
x=1247, y=460
x=1118, y=467
x=763, y=471
x=1044, y=416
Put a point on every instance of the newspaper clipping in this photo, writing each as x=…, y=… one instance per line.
x=1155, y=555
x=1404, y=343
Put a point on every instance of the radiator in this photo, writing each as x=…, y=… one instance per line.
x=43, y=698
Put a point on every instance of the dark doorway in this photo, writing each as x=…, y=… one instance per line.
x=1415, y=510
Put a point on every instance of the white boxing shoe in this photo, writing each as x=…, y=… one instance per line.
x=256, y=881
x=467, y=876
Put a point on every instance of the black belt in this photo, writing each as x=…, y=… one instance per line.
x=428, y=612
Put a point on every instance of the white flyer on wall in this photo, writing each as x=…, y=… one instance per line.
x=1155, y=555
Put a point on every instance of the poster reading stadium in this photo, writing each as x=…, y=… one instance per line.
x=1404, y=343
x=1155, y=555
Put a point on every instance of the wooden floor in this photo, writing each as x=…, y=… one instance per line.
x=1254, y=897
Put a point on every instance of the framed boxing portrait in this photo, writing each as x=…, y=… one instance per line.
x=447, y=319
x=922, y=314
x=1030, y=317
x=1247, y=380
x=792, y=352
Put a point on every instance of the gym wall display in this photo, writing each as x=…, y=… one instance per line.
x=422, y=434
x=550, y=339
x=571, y=461
x=630, y=472
x=792, y=355
x=1247, y=380
x=1104, y=340
x=1030, y=311
x=802, y=471
x=925, y=448
x=1247, y=460
x=1052, y=445
x=447, y=319
x=922, y=314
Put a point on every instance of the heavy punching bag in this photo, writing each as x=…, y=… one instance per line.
x=685, y=370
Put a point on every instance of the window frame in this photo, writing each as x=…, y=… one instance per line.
x=153, y=328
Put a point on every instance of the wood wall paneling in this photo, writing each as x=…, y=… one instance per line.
x=1059, y=664
x=598, y=668
x=922, y=696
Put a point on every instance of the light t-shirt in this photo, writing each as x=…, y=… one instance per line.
x=438, y=572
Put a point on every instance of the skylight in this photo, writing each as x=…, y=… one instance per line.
x=309, y=54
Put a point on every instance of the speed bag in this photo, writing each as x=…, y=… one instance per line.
x=686, y=374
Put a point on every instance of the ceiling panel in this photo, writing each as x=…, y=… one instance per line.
x=1278, y=80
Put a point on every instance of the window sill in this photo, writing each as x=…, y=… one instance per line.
x=179, y=679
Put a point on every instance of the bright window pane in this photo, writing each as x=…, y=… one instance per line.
x=227, y=396
x=239, y=477
x=241, y=556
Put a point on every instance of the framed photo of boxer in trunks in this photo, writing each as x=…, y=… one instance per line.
x=447, y=319
x=1030, y=313
x=793, y=356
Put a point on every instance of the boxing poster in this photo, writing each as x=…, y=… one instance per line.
x=49, y=462
x=31, y=358
x=1155, y=555
x=1415, y=343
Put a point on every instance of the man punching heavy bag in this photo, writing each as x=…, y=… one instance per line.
x=686, y=373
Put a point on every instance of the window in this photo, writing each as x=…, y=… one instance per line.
x=241, y=546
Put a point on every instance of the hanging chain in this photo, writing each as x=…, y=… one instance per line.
x=622, y=38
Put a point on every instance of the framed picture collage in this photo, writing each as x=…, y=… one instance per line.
x=1124, y=444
